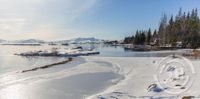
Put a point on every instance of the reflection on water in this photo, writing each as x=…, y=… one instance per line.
x=119, y=51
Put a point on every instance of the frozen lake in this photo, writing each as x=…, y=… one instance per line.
x=74, y=80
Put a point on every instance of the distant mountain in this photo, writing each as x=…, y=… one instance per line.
x=29, y=41
x=1, y=40
x=78, y=41
x=36, y=41
x=84, y=40
x=60, y=41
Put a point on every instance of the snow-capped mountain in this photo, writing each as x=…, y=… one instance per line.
x=84, y=40
x=60, y=41
x=1, y=40
x=29, y=41
x=79, y=41
x=36, y=41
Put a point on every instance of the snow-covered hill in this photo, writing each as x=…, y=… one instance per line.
x=23, y=42
x=84, y=40
x=29, y=41
x=36, y=41
x=1, y=40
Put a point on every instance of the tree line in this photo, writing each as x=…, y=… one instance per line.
x=141, y=37
x=184, y=28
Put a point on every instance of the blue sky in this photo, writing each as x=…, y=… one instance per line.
x=66, y=19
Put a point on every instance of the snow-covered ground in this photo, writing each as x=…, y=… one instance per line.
x=138, y=76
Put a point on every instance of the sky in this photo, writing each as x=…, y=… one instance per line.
x=66, y=19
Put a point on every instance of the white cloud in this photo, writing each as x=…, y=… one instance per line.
x=42, y=19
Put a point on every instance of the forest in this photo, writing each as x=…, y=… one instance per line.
x=182, y=29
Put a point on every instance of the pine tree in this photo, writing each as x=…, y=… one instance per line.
x=148, y=38
x=162, y=30
x=184, y=27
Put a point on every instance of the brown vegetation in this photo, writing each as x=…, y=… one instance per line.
x=47, y=66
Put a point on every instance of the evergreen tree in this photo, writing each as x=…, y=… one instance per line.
x=162, y=29
x=184, y=27
x=148, y=38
